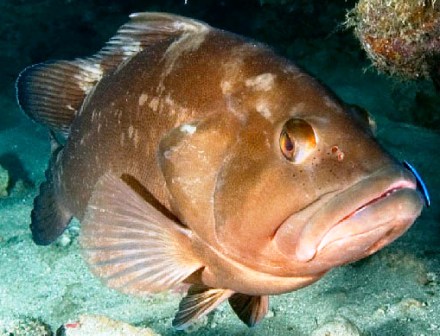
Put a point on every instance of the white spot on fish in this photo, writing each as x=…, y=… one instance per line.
x=263, y=82
x=143, y=99
x=136, y=138
x=193, y=35
x=297, y=109
x=190, y=129
x=231, y=107
x=154, y=103
x=226, y=86
x=88, y=75
x=263, y=109
x=130, y=131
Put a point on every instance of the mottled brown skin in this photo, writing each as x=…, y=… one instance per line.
x=236, y=189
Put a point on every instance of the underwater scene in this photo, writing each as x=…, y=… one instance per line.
x=208, y=167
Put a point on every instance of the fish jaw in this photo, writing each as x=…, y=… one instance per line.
x=354, y=223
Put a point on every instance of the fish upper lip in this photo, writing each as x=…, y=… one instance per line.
x=399, y=185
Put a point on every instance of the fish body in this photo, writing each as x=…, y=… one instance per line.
x=195, y=155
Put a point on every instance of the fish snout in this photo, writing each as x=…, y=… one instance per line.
x=360, y=220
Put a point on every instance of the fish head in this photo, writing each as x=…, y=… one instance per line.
x=290, y=180
x=308, y=187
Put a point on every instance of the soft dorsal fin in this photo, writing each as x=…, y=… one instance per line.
x=130, y=244
x=52, y=93
x=199, y=301
x=250, y=309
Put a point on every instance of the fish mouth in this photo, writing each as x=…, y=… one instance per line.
x=361, y=219
x=348, y=227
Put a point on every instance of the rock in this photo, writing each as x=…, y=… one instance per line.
x=25, y=327
x=337, y=327
x=101, y=326
x=400, y=37
x=4, y=182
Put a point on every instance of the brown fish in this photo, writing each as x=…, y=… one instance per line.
x=195, y=155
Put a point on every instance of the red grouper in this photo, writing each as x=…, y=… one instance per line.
x=193, y=155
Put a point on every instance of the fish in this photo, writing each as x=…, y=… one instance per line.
x=192, y=155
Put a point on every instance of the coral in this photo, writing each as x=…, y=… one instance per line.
x=401, y=37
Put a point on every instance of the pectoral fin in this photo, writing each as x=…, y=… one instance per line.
x=132, y=245
x=199, y=301
x=250, y=309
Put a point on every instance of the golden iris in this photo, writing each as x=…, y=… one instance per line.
x=297, y=140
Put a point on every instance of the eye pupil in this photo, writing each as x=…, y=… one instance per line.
x=287, y=146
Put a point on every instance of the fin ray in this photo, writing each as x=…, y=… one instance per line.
x=250, y=309
x=199, y=301
x=49, y=218
x=131, y=264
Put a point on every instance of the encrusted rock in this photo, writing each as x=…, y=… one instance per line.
x=24, y=327
x=337, y=327
x=96, y=325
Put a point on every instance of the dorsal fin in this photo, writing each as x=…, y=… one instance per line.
x=143, y=30
x=52, y=93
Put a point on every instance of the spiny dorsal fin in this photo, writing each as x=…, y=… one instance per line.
x=250, y=309
x=198, y=302
x=143, y=30
x=52, y=93
x=132, y=245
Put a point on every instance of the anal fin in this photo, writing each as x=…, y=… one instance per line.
x=130, y=244
x=250, y=309
x=198, y=302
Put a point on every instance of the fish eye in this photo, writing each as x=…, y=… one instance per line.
x=297, y=140
x=364, y=116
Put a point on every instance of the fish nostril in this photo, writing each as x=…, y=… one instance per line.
x=420, y=184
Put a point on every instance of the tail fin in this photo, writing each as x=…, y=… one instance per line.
x=49, y=217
